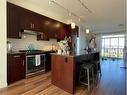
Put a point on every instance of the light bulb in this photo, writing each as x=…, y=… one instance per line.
x=87, y=31
x=72, y=25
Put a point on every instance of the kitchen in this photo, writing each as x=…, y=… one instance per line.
x=35, y=39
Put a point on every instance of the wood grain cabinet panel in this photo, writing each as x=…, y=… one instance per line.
x=13, y=19
x=16, y=66
x=19, y=19
x=30, y=20
x=62, y=72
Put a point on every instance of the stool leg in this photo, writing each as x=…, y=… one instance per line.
x=80, y=75
x=100, y=70
x=93, y=74
x=88, y=77
x=97, y=71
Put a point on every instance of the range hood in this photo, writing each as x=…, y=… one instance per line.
x=29, y=32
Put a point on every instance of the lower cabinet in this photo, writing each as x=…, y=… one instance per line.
x=16, y=67
x=48, y=63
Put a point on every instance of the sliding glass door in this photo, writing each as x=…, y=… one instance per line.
x=113, y=46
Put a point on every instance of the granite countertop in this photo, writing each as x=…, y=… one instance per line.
x=31, y=53
x=74, y=54
x=14, y=52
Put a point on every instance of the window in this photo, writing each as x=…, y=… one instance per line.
x=112, y=46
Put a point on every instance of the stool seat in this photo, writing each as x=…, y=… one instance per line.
x=87, y=65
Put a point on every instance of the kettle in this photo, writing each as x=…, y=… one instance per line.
x=9, y=46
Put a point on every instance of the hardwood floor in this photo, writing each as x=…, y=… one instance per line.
x=112, y=82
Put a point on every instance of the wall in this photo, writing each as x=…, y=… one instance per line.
x=22, y=44
x=3, y=64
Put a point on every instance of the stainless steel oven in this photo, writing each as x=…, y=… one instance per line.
x=34, y=64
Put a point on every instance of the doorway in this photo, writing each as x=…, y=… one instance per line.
x=113, y=46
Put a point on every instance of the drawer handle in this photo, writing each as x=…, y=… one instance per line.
x=16, y=56
x=23, y=63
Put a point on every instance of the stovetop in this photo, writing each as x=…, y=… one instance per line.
x=30, y=52
x=34, y=52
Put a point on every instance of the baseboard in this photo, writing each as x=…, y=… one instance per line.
x=3, y=84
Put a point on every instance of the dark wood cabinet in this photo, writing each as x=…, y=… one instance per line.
x=13, y=19
x=30, y=20
x=19, y=19
x=42, y=36
x=16, y=66
x=48, y=62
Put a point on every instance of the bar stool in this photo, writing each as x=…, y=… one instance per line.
x=88, y=68
x=97, y=68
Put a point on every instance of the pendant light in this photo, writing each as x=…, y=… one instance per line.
x=87, y=31
x=72, y=25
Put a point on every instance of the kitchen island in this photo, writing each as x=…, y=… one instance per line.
x=65, y=68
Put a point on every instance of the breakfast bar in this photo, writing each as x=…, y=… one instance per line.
x=65, y=68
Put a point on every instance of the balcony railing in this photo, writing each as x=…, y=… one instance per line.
x=112, y=52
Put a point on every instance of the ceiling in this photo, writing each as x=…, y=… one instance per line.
x=106, y=15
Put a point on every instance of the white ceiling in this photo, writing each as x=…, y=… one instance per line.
x=105, y=17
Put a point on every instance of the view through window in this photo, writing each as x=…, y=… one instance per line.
x=113, y=46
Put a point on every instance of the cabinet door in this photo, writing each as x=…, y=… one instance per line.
x=16, y=67
x=13, y=21
x=30, y=20
x=42, y=36
x=48, y=62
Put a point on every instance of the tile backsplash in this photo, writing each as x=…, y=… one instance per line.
x=22, y=44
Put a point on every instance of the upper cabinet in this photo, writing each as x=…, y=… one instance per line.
x=19, y=19
x=13, y=19
x=30, y=20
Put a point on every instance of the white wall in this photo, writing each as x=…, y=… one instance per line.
x=22, y=44
x=3, y=64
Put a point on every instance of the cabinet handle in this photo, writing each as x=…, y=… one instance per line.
x=16, y=56
x=23, y=63
x=31, y=25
